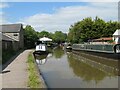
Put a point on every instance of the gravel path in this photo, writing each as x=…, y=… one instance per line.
x=15, y=74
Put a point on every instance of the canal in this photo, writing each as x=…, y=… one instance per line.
x=63, y=69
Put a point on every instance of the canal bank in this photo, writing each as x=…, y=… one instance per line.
x=35, y=78
x=99, y=50
x=16, y=74
x=62, y=69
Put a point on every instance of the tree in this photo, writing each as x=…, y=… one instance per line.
x=59, y=37
x=87, y=29
x=99, y=28
x=43, y=33
x=30, y=36
x=111, y=28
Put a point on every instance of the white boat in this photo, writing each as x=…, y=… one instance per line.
x=69, y=47
x=41, y=44
x=41, y=48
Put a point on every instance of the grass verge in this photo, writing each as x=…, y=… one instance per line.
x=34, y=80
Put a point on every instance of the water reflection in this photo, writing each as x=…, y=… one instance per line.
x=109, y=66
x=106, y=61
x=85, y=71
x=77, y=70
x=42, y=59
x=58, y=52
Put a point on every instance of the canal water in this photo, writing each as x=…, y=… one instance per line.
x=63, y=69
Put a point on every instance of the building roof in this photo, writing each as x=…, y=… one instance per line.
x=103, y=39
x=10, y=28
x=117, y=33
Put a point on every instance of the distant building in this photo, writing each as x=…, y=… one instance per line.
x=12, y=34
x=103, y=40
x=108, y=40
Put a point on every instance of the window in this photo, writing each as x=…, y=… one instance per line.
x=15, y=34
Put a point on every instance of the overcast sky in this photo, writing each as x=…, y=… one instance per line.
x=52, y=16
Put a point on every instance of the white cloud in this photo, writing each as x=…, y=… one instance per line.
x=65, y=16
x=3, y=5
x=3, y=20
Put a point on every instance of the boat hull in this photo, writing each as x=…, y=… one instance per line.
x=40, y=52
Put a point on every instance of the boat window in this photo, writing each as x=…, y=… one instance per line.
x=119, y=40
x=38, y=42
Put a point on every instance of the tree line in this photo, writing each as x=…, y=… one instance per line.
x=31, y=36
x=88, y=29
x=81, y=31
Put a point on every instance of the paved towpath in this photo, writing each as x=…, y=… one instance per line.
x=15, y=74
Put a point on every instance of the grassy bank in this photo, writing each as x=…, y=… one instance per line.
x=34, y=80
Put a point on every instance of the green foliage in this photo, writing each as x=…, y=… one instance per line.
x=111, y=41
x=30, y=37
x=80, y=32
x=33, y=81
x=88, y=29
x=59, y=37
x=44, y=33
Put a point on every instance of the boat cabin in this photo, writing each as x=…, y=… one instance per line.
x=116, y=36
x=40, y=46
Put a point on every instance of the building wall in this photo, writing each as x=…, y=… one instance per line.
x=21, y=38
x=10, y=45
x=6, y=45
x=15, y=46
x=0, y=47
x=18, y=37
x=14, y=36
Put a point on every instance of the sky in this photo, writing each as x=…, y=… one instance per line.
x=55, y=16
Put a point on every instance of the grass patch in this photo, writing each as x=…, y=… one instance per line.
x=34, y=80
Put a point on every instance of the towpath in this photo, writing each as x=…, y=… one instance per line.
x=15, y=75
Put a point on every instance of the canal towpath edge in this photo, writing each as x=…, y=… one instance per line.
x=16, y=74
